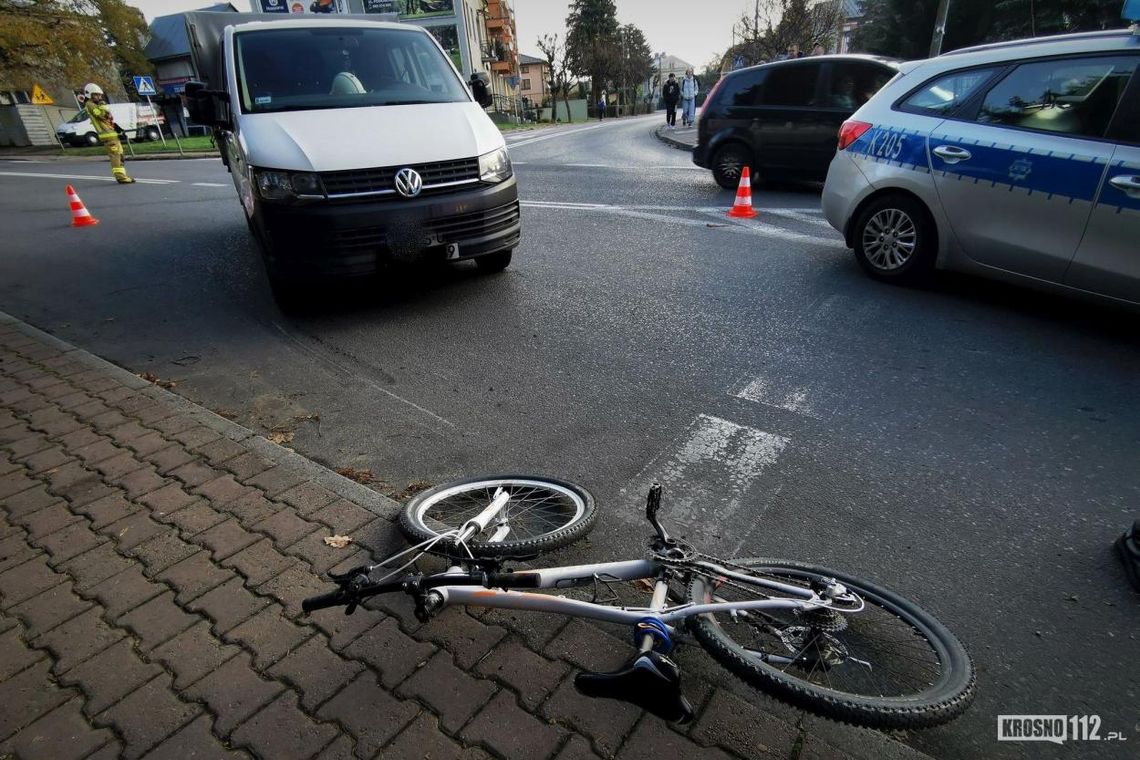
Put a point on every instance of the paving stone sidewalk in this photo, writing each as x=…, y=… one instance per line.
x=153, y=557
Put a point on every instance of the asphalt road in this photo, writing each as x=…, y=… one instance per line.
x=976, y=447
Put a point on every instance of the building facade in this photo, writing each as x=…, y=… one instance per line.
x=534, y=79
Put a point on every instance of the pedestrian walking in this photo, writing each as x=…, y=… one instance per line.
x=671, y=92
x=602, y=106
x=689, y=89
x=104, y=123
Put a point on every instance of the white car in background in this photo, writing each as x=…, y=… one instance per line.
x=1018, y=161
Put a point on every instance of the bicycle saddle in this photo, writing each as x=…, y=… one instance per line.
x=650, y=680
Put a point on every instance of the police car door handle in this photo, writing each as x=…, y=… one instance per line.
x=1128, y=183
x=952, y=154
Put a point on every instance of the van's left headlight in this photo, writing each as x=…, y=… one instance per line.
x=495, y=166
x=278, y=185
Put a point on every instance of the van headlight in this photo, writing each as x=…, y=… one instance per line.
x=281, y=186
x=495, y=166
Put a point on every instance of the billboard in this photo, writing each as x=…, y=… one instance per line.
x=409, y=9
x=299, y=7
x=448, y=38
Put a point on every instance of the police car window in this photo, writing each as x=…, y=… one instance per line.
x=1071, y=96
x=792, y=85
x=946, y=93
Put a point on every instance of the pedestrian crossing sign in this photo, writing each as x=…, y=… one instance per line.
x=39, y=97
x=145, y=86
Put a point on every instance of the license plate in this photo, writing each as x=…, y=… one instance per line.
x=452, y=251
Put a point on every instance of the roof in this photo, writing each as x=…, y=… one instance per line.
x=168, y=34
x=525, y=59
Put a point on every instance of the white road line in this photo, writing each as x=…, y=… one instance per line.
x=208, y=184
x=615, y=167
x=563, y=133
x=708, y=472
x=763, y=391
x=87, y=176
x=753, y=227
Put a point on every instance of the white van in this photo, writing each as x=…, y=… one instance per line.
x=136, y=121
x=353, y=145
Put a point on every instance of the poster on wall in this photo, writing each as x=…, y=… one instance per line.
x=381, y=6
x=448, y=38
x=299, y=7
x=425, y=8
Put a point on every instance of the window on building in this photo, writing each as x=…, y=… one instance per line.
x=525, y=82
x=526, y=69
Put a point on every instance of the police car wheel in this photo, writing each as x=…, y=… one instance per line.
x=727, y=164
x=894, y=239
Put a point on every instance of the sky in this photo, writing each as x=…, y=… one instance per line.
x=691, y=31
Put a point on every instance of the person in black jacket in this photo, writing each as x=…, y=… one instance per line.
x=671, y=92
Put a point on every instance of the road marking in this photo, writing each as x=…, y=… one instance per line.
x=762, y=391
x=208, y=184
x=616, y=167
x=708, y=473
x=753, y=227
x=87, y=176
x=562, y=133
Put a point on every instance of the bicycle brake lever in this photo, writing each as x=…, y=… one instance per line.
x=348, y=575
x=652, y=507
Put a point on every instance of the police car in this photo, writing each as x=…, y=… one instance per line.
x=1019, y=161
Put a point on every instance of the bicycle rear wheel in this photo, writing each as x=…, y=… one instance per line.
x=542, y=514
x=890, y=665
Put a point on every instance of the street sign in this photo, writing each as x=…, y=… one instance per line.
x=145, y=86
x=39, y=97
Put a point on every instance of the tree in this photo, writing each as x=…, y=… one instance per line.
x=903, y=28
x=126, y=32
x=71, y=42
x=779, y=28
x=557, y=71
x=593, y=45
x=636, y=62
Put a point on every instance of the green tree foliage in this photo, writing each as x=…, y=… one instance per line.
x=592, y=42
x=903, y=28
x=779, y=28
x=67, y=43
x=636, y=62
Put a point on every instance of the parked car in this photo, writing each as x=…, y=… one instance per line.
x=780, y=118
x=352, y=144
x=135, y=121
x=1018, y=161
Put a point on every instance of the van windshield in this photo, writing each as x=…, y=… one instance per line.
x=341, y=67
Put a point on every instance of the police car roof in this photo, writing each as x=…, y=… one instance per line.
x=1061, y=40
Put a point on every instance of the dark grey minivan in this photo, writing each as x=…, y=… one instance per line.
x=781, y=119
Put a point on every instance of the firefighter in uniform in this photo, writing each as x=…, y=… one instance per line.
x=104, y=124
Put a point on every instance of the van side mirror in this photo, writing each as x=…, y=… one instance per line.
x=209, y=107
x=480, y=88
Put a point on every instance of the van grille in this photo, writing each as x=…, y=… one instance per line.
x=382, y=179
x=452, y=229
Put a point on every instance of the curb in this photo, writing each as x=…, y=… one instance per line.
x=347, y=489
x=659, y=132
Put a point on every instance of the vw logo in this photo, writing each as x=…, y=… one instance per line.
x=409, y=183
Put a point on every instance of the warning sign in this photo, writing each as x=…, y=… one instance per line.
x=39, y=97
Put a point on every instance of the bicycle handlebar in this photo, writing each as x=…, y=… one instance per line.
x=321, y=601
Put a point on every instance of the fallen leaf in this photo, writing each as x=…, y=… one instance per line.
x=280, y=436
x=360, y=476
x=338, y=542
x=150, y=377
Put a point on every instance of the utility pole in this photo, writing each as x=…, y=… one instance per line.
x=939, y=28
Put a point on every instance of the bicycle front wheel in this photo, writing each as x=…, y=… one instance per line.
x=542, y=514
x=889, y=665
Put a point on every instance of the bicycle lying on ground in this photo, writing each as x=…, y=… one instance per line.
x=825, y=641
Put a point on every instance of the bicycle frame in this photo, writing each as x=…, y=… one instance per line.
x=630, y=570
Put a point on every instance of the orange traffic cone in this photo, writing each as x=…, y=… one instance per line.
x=742, y=209
x=80, y=216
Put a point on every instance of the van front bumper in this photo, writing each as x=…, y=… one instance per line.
x=337, y=239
